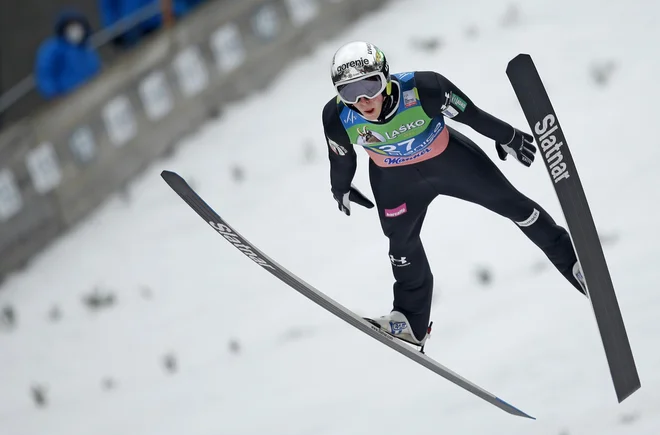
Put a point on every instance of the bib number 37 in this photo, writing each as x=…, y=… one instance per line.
x=404, y=147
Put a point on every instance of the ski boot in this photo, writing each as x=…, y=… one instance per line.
x=396, y=325
x=579, y=276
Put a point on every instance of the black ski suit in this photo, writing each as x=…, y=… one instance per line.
x=462, y=170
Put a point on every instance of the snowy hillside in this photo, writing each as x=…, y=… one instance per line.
x=198, y=340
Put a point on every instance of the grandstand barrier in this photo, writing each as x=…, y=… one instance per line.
x=60, y=164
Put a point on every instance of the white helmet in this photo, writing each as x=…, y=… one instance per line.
x=359, y=69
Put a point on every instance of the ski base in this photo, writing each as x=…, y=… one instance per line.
x=181, y=187
x=556, y=155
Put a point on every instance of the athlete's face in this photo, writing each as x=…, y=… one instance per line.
x=370, y=108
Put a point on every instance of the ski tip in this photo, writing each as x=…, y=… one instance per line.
x=176, y=182
x=513, y=410
x=172, y=178
x=520, y=58
x=168, y=174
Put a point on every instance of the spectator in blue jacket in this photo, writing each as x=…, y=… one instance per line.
x=66, y=60
x=113, y=11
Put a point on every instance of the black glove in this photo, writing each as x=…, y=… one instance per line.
x=353, y=195
x=521, y=146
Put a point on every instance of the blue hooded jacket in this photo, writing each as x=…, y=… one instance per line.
x=62, y=66
x=112, y=11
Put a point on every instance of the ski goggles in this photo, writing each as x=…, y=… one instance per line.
x=369, y=87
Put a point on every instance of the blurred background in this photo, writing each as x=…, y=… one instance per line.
x=121, y=312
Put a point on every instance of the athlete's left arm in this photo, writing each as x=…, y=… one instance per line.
x=440, y=96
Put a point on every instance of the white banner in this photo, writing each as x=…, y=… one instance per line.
x=44, y=168
x=156, y=96
x=10, y=197
x=302, y=11
x=227, y=47
x=119, y=120
x=191, y=71
x=83, y=145
x=266, y=22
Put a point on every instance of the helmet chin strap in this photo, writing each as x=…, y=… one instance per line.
x=390, y=102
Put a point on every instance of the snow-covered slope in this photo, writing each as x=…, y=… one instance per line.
x=528, y=337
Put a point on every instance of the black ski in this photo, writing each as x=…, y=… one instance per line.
x=559, y=163
x=191, y=198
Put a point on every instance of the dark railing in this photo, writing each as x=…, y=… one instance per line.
x=97, y=40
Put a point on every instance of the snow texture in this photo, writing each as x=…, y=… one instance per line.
x=199, y=340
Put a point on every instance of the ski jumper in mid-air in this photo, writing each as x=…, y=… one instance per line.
x=399, y=119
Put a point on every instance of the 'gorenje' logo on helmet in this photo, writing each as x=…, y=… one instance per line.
x=360, y=62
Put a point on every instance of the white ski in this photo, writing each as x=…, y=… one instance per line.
x=181, y=187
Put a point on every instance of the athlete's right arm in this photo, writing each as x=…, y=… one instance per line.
x=343, y=159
